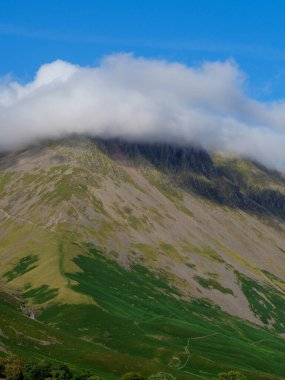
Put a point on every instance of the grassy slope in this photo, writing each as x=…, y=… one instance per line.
x=31, y=339
x=136, y=315
x=135, y=323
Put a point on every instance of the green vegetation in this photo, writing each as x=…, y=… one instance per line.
x=136, y=324
x=162, y=376
x=41, y=294
x=275, y=279
x=212, y=284
x=69, y=185
x=186, y=211
x=132, y=376
x=164, y=184
x=231, y=375
x=30, y=339
x=140, y=322
x=5, y=178
x=13, y=368
x=265, y=301
x=25, y=265
x=210, y=252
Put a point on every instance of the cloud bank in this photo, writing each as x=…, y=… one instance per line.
x=148, y=100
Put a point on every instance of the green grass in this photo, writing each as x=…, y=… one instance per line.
x=41, y=294
x=164, y=184
x=33, y=340
x=23, y=266
x=143, y=327
x=265, y=301
x=5, y=178
x=68, y=186
x=137, y=322
x=273, y=277
x=210, y=283
x=186, y=211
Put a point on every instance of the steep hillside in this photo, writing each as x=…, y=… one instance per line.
x=33, y=340
x=146, y=247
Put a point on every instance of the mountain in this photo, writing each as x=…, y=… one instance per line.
x=131, y=255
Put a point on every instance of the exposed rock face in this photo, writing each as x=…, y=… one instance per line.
x=172, y=157
x=194, y=170
x=273, y=200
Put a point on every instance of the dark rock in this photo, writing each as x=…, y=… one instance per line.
x=166, y=156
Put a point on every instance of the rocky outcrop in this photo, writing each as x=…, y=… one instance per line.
x=168, y=157
x=193, y=169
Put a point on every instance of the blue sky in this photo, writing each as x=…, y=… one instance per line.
x=34, y=32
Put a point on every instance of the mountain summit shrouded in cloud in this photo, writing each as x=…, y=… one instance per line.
x=144, y=99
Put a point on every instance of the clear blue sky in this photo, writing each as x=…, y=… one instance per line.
x=251, y=32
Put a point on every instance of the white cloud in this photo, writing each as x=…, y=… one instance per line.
x=137, y=98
